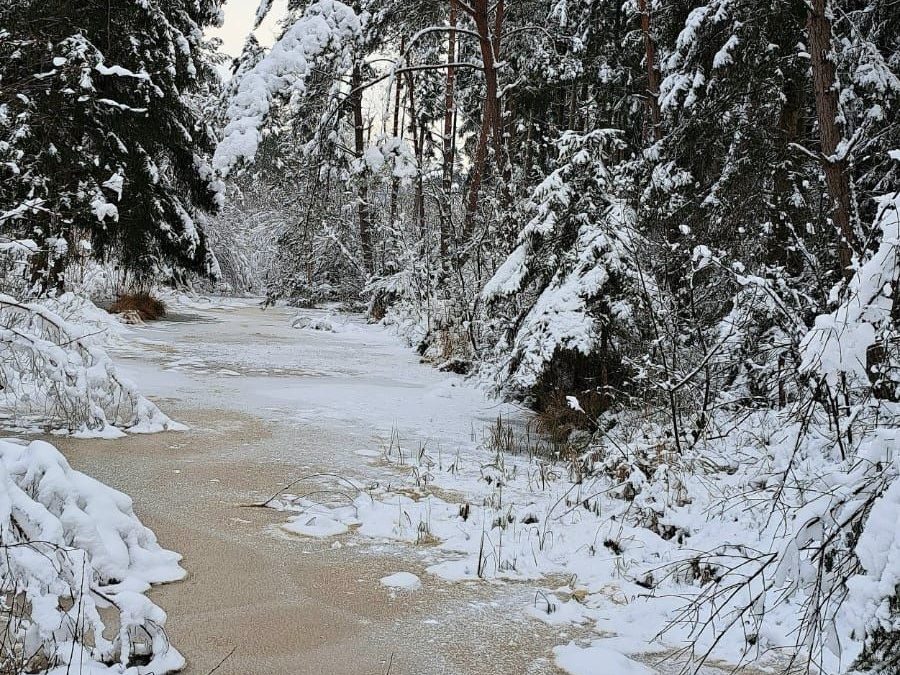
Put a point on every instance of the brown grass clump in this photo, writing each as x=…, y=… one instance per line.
x=141, y=303
x=556, y=419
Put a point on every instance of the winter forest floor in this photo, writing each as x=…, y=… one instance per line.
x=266, y=405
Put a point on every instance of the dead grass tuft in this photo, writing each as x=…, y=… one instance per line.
x=145, y=305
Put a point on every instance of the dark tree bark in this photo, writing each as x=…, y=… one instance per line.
x=449, y=140
x=791, y=127
x=490, y=117
x=398, y=101
x=363, y=211
x=418, y=137
x=652, y=129
x=825, y=85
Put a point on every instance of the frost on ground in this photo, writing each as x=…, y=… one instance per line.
x=56, y=374
x=403, y=581
x=74, y=568
x=712, y=554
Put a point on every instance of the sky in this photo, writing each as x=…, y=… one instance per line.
x=239, y=22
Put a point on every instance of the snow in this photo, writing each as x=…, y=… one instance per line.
x=319, y=522
x=839, y=342
x=71, y=541
x=723, y=56
x=315, y=526
x=878, y=549
x=120, y=71
x=597, y=660
x=404, y=581
x=616, y=551
x=323, y=323
x=508, y=277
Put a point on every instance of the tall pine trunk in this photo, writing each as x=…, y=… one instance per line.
x=398, y=102
x=825, y=88
x=490, y=123
x=363, y=211
x=418, y=137
x=652, y=129
x=449, y=144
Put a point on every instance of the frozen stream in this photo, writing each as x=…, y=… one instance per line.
x=267, y=404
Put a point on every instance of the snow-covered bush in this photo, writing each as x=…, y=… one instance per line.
x=54, y=374
x=820, y=485
x=567, y=277
x=74, y=564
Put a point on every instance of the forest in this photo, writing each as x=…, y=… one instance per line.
x=663, y=236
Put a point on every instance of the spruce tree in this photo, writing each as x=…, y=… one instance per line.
x=102, y=151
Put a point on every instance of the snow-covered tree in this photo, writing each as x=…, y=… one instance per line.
x=101, y=148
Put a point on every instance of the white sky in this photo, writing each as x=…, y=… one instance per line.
x=239, y=21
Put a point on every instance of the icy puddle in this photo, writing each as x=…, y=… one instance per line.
x=379, y=549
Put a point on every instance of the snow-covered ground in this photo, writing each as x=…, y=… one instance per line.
x=385, y=468
x=416, y=468
x=358, y=377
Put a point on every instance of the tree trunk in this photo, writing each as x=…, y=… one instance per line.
x=364, y=213
x=395, y=182
x=791, y=128
x=418, y=136
x=490, y=111
x=449, y=145
x=825, y=87
x=652, y=130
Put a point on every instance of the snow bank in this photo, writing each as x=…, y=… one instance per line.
x=597, y=660
x=641, y=538
x=71, y=547
x=55, y=374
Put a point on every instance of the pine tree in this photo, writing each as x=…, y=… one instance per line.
x=102, y=148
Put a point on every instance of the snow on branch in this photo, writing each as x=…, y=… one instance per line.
x=325, y=26
x=69, y=547
x=568, y=281
x=51, y=375
x=840, y=341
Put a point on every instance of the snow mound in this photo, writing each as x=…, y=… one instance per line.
x=316, y=525
x=404, y=581
x=71, y=547
x=322, y=323
x=597, y=660
x=89, y=323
